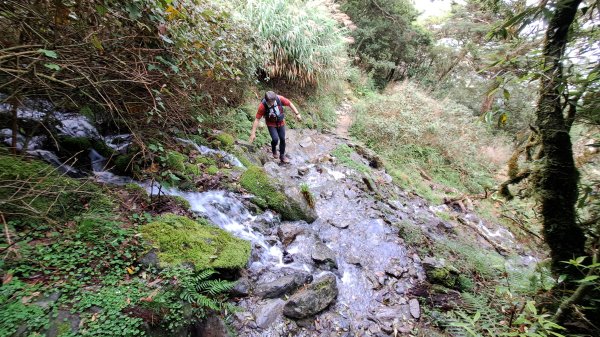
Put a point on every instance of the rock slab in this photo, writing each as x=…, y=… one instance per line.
x=312, y=300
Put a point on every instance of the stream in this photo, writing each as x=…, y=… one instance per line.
x=353, y=238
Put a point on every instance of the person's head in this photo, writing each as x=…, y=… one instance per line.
x=270, y=97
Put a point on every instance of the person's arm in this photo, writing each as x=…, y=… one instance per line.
x=298, y=117
x=253, y=132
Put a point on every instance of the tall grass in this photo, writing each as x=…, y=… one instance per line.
x=420, y=136
x=301, y=39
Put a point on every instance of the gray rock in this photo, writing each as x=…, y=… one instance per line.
x=150, y=259
x=350, y=194
x=415, y=308
x=324, y=255
x=241, y=288
x=287, y=232
x=268, y=313
x=303, y=170
x=47, y=301
x=282, y=285
x=212, y=326
x=312, y=300
x=64, y=321
x=342, y=224
x=306, y=142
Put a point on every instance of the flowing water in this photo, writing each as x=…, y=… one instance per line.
x=373, y=268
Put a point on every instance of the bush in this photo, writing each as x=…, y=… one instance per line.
x=302, y=41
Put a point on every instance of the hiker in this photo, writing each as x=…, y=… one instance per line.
x=271, y=107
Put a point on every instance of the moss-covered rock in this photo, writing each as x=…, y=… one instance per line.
x=226, y=140
x=193, y=169
x=74, y=145
x=34, y=190
x=123, y=164
x=257, y=182
x=103, y=149
x=180, y=240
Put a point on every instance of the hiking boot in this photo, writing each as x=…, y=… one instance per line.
x=284, y=160
x=275, y=156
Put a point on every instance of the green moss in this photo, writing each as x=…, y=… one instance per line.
x=175, y=161
x=123, y=164
x=226, y=140
x=193, y=169
x=178, y=201
x=180, y=240
x=343, y=153
x=103, y=149
x=243, y=159
x=442, y=276
x=257, y=182
x=36, y=190
x=73, y=145
x=212, y=170
x=205, y=160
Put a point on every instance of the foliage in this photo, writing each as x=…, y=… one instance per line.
x=301, y=40
x=181, y=240
x=33, y=189
x=422, y=137
x=307, y=194
x=387, y=41
x=16, y=311
x=142, y=61
x=344, y=155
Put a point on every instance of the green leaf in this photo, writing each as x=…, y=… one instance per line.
x=588, y=279
x=506, y=94
x=561, y=278
x=48, y=53
x=52, y=66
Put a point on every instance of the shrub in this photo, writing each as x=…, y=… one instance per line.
x=301, y=39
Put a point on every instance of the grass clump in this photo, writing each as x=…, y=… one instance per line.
x=344, y=154
x=181, y=240
x=420, y=137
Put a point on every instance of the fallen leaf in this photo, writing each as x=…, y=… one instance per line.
x=7, y=278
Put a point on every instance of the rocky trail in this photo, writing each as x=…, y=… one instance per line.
x=349, y=270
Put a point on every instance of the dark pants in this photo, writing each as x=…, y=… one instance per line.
x=277, y=136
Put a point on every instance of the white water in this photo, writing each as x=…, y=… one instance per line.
x=212, y=152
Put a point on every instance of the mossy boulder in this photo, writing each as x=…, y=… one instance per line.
x=226, y=140
x=290, y=205
x=439, y=273
x=180, y=240
x=35, y=190
x=73, y=145
x=212, y=170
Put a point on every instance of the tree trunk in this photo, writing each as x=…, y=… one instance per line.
x=557, y=181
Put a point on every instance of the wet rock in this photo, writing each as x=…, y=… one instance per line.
x=438, y=297
x=287, y=257
x=374, y=160
x=306, y=142
x=415, y=308
x=369, y=183
x=150, y=259
x=282, y=285
x=47, y=301
x=324, y=255
x=327, y=194
x=64, y=321
x=212, y=326
x=350, y=194
x=342, y=224
x=241, y=288
x=303, y=170
x=268, y=313
x=288, y=231
x=313, y=299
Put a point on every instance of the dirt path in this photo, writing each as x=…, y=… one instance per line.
x=344, y=120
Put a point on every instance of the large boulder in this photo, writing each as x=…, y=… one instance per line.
x=282, y=285
x=324, y=256
x=313, y=299
x=283, y=197
x=179, y=240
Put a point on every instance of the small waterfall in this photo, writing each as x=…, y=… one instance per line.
x=212, y=152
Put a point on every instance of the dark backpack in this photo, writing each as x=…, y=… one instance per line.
x=271, y=114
